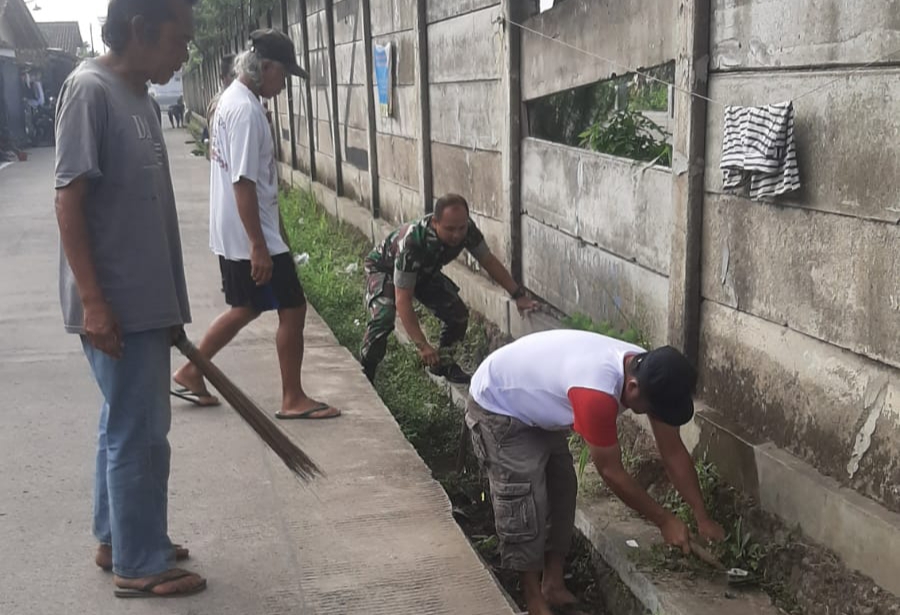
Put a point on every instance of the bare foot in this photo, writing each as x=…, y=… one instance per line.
x=193, y=387
x=308, y=408
x=103, y=558
x=174, y=582
x=562, y=599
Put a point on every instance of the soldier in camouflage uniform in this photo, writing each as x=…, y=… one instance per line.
x=408, y=264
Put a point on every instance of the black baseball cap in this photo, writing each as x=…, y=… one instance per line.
x=666, y=380
x=276, y=46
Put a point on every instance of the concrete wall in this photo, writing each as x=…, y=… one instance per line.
x=296, y=92
x=467, y=103
x=801, y=321
x=285, y=102
x=319, y=82
x=394, y=21
x=629, y=35
x=595, y=234
x=351, y=94
x=778, y=34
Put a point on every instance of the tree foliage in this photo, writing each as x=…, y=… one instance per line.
x=629, y=134
x=216, y=22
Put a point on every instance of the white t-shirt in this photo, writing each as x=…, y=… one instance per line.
x=530, y=379
x=242, y=147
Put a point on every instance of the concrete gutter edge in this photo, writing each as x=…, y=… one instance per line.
x=781, y=481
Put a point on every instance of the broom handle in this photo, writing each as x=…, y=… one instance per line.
x=187, y=348
x=193, y=354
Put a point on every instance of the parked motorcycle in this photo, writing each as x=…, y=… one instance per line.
x=39, y=124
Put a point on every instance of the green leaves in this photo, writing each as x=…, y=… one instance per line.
x=427, y=416
x=218, y=21
x=629, y=134
x=584, y=322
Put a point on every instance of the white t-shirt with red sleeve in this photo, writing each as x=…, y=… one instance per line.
x=557, y=380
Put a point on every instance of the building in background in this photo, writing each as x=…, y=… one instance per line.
x=65, y=48
x=167, y=95
x=23, y=52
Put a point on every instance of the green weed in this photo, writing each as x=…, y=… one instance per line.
x=629, y=134
x=427, y=416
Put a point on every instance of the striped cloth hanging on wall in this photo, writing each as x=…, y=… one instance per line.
x=759, y=150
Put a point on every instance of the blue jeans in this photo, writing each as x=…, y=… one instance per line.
x=132, y=476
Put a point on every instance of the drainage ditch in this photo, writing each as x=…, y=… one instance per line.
x=801, y=578
x=333, y=281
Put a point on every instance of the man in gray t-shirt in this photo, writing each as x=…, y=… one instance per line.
x=122, y=284
x=113, y=141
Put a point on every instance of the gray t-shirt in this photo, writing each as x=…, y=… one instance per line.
x=109, y=134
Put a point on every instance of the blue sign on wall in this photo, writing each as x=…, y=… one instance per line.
x=384, y=77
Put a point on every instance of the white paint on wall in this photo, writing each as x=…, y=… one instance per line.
x=875, y=397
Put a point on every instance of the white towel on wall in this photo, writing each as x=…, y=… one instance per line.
x=759, y=150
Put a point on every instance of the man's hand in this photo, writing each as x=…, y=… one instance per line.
x=260, y=265
x=709, y=530
x=676, y=534
x=428, y=354
x=526, y=304
x=101, y=328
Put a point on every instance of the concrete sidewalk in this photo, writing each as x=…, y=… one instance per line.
x=374, y=537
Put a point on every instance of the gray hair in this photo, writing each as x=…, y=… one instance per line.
x=249, y=65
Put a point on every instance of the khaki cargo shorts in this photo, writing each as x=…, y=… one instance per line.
x=533, y=486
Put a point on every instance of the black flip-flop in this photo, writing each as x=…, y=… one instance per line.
x=194, y=397
x=146, y=590
x=308, y=414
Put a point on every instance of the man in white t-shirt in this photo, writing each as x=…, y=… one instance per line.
x=524, y=399
x=258, y=273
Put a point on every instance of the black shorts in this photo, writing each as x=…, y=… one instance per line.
x=282, y=292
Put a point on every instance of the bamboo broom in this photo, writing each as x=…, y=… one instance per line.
x=293, y=457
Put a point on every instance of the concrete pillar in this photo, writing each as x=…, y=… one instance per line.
x=512, y=163
x=310, y=120
x=275, y=127
x=290, y=87
x=426, y=178
x=242, y=22
x=689, y=144
x=236, y=35
x=622, y=97
x=335, y=116
x=370, y=102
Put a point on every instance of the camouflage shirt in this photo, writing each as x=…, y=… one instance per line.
x=414, y=251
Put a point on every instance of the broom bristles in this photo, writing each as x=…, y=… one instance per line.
x=293, y=457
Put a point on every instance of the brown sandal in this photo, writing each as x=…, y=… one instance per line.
x=146, y=590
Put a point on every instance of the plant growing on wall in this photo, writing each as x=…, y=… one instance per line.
x=629, y=134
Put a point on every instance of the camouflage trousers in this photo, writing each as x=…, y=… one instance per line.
x=438, y=293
